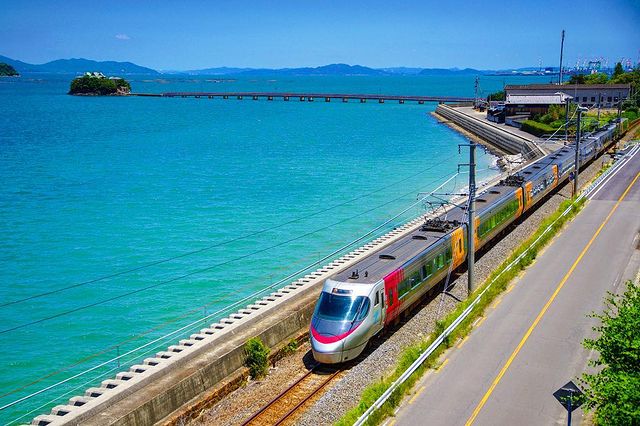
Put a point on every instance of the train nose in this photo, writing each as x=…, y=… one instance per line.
x=327, y=353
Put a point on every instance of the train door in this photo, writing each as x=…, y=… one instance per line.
x=457, y=246
x=527, y=194
x=378, y=310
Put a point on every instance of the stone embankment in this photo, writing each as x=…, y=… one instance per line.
x=189, y=374
x=503, y=139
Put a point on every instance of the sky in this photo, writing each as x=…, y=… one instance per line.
x=192, y=34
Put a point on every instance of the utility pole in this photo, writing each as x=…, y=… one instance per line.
x=470, y=216
x=577, y=165
x=566, y=119
x=561, y=52
x=475, y=98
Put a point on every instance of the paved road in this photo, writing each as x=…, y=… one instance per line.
x=529, y=343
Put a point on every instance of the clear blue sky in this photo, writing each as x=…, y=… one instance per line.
x=419, y=33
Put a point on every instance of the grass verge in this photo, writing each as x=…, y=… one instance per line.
x=498, y=281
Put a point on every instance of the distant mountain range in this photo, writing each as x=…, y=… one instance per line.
x=78, y=66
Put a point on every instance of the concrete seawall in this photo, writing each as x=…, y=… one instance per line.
x=195, y=367
x=502, y=139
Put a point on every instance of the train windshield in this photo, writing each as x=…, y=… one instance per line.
x=332, y=307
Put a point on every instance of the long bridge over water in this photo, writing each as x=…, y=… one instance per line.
x=310, y=97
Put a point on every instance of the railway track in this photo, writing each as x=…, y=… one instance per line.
x=282, y=409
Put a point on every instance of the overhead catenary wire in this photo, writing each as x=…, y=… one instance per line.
x=198, y=271
x=140, y=335
x=244, y=300
x=216, y=245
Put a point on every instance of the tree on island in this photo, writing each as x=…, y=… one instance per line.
x=7, y=70
x=98, y=84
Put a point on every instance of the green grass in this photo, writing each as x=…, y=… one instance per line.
x=498, y=282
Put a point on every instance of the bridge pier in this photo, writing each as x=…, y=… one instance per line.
x=255, y=98
x=301, y=98
x=225, y=97
x=421, y=102
x=327, y=99
x=380, y=101
x=400, y=101
x=197, y=96
x=270, y=98
x=286, y=98
x=363, y=100
x=310, y=99
x=239, y=97
x=345, y=99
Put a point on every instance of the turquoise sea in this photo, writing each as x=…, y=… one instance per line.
x=93, y=187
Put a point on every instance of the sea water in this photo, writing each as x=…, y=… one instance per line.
x=124, y=219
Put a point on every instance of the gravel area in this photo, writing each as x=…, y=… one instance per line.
x=240, y=404
x=381, y=359
x=382, y=355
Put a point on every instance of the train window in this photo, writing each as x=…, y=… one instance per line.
x=424, y=271
x=448, y=254
x=390, y=297
x=440, y=260
x=404, y=287
x=364, y=310
x=460, y=246
x=377, y=300
x=415, y=279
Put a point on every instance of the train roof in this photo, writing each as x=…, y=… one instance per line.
x=387, y=259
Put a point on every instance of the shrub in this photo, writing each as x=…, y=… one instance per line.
x=537, y=129
x=614, y=391
x=290, y=347
x=257, y=358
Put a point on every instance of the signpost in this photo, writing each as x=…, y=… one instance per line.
x=570, y=397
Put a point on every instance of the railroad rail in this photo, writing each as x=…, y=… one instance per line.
x=289, y=402
x=310, y=97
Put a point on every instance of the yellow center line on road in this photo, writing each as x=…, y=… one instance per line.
x=486, y=396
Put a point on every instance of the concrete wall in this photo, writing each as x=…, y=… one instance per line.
x=188, y=371
x=501, y=139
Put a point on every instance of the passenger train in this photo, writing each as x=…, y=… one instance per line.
x=358, y=303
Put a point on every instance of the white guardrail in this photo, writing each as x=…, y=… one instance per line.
x=423, y=357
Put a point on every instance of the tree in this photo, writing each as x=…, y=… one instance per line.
x=614, y=391
x=596, y=78
x=577, y=79
x=497, y=96
x=7, y=70
x=617, y=71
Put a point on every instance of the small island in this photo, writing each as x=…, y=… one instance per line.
x=7, y=70
x=98, y=84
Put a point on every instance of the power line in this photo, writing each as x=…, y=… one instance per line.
x=198, y=271
x=142, y=334
x=19, y=400
x=212, y=246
